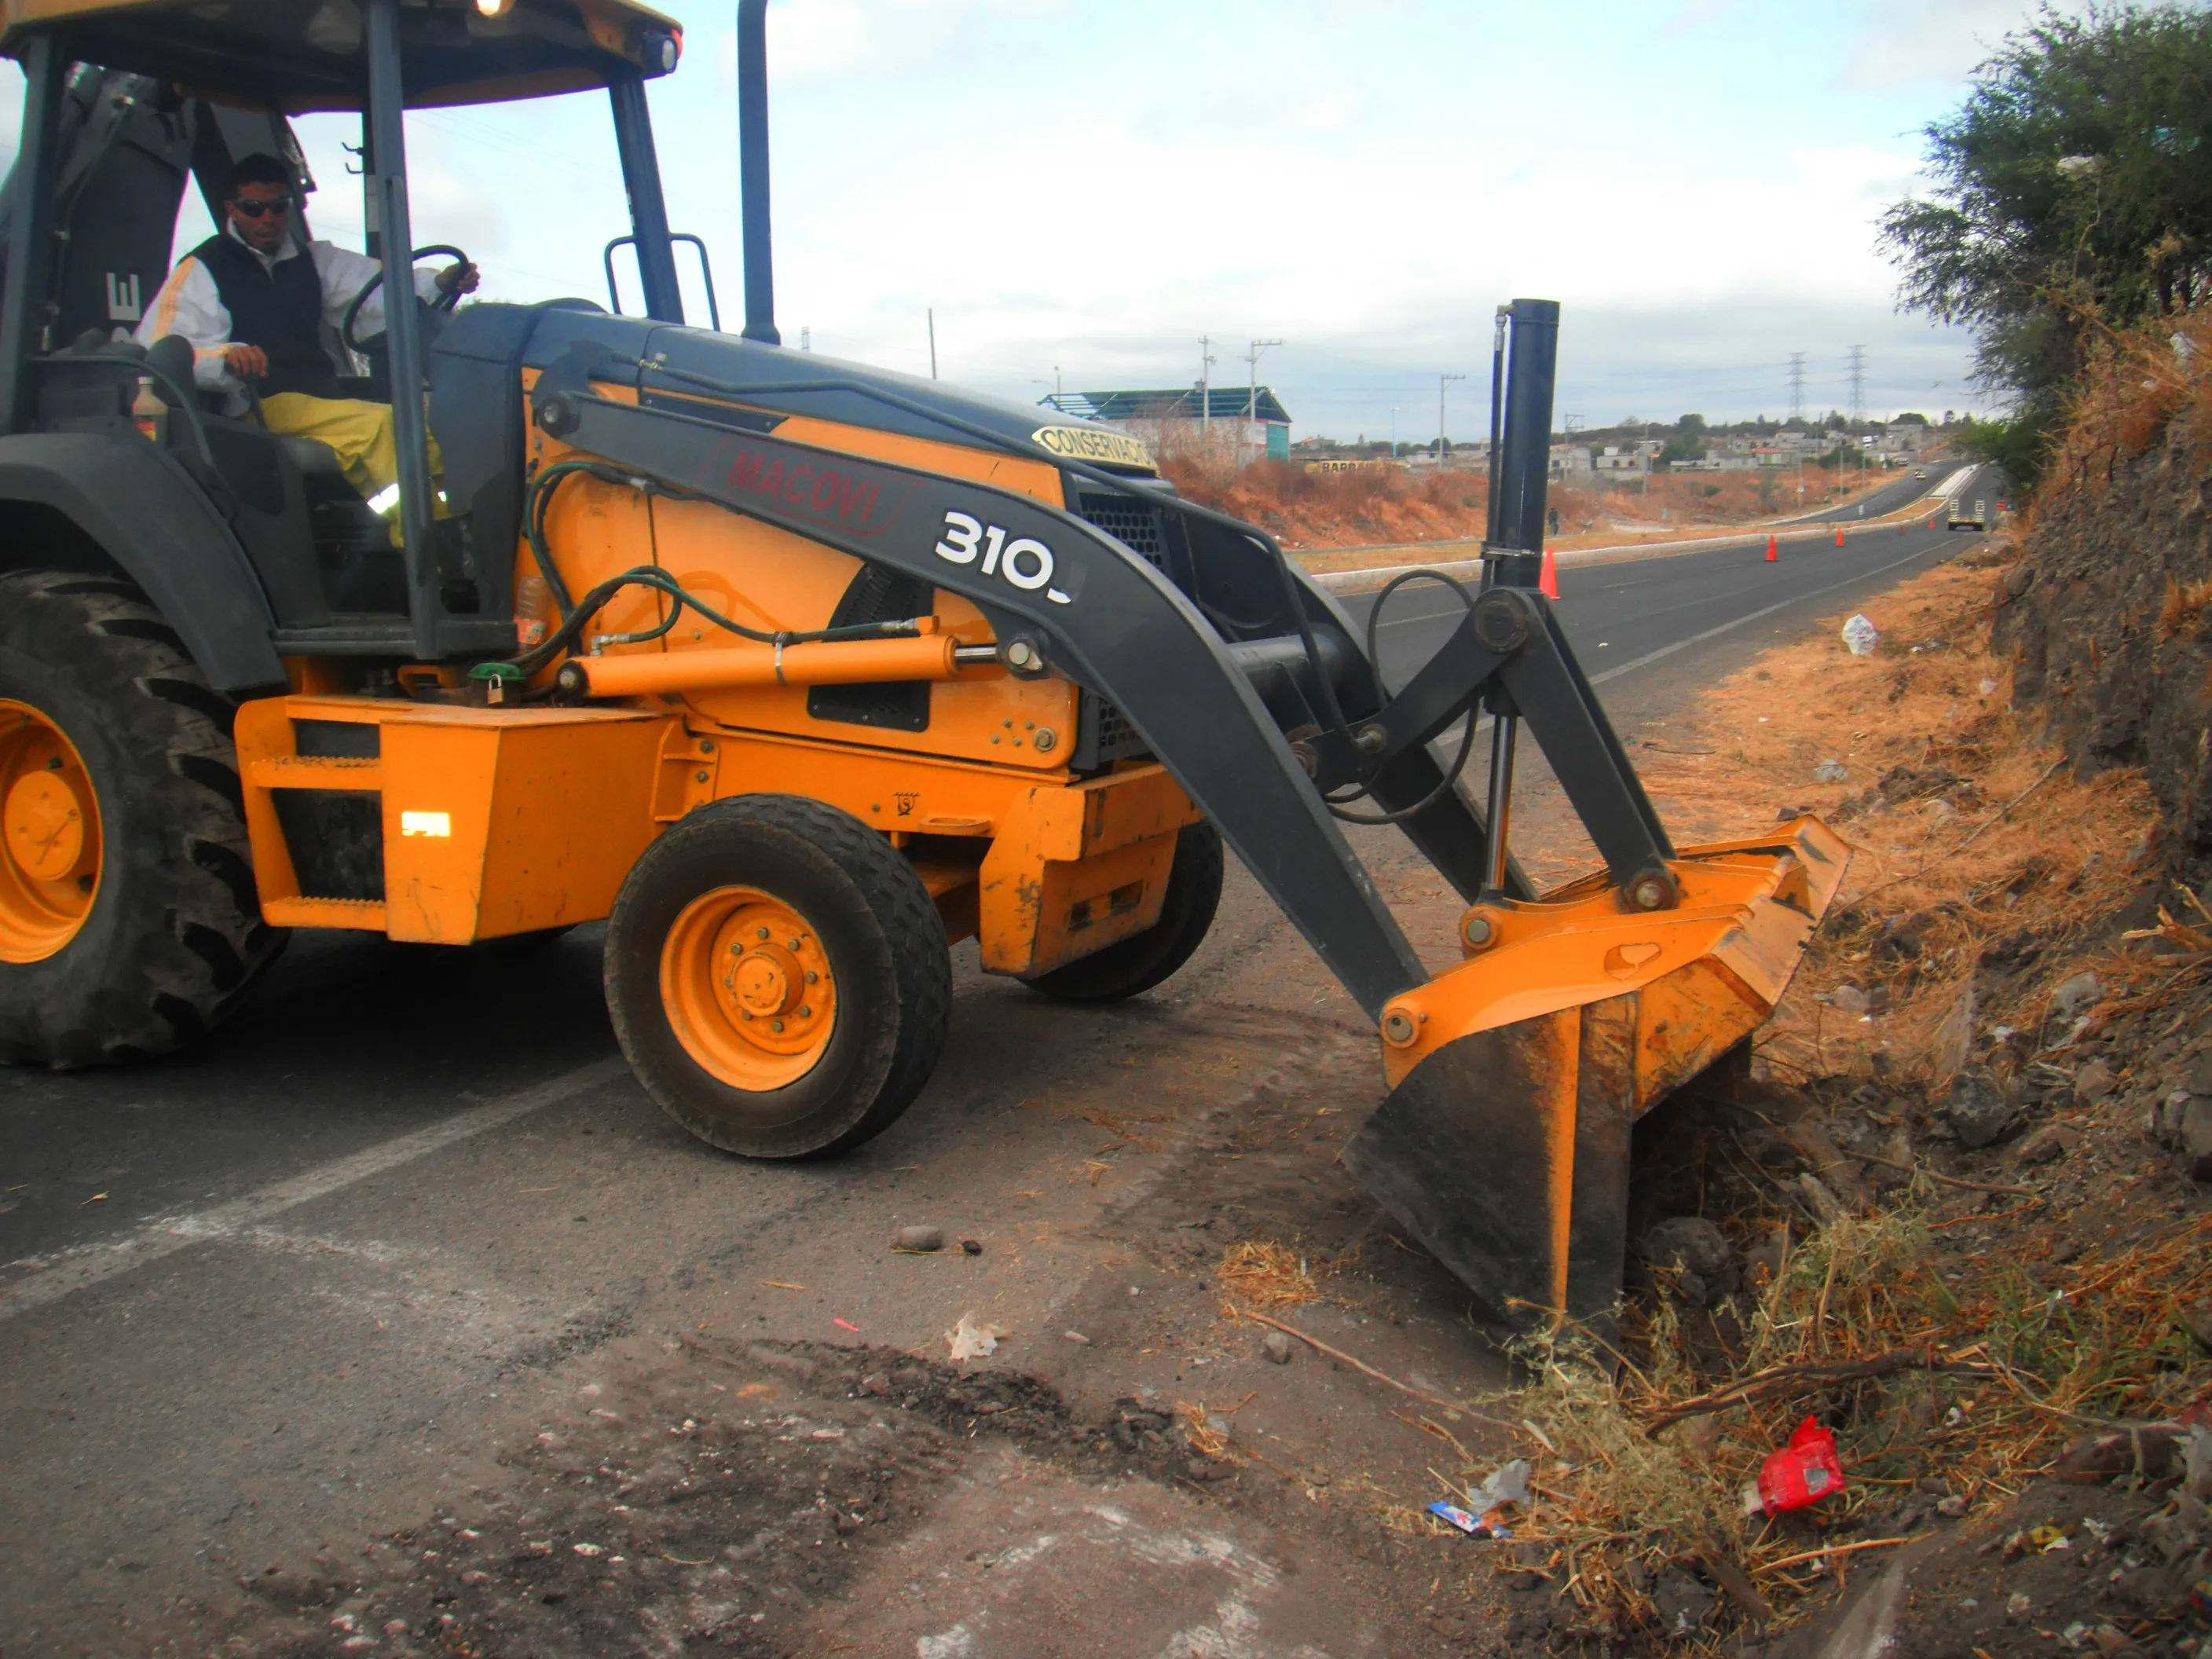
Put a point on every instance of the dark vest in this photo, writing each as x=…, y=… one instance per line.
x=279, y=308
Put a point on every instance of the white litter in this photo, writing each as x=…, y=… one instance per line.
x=1860, y=634
x=972, y=1341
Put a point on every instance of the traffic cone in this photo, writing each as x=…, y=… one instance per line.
x=1840, y=537
x=1548, y=578
x=1773, y=549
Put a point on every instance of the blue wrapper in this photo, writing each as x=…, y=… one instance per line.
x=1472, y=1525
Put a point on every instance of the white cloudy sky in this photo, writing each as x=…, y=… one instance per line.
x=1089, y=187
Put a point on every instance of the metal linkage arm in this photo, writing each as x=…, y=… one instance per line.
x=1113, y=622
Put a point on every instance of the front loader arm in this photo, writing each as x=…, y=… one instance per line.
x=1111, y=621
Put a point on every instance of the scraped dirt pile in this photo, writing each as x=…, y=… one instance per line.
x=1954, y=1208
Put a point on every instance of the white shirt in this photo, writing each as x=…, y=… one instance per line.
x=189, y=304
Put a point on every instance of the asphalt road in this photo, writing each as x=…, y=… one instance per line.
x=293, y=1287
x=1635, y=615
x=1907, y=490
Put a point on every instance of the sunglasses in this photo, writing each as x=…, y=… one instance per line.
x=258, y=209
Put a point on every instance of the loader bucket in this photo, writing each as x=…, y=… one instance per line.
x=1519, y=1075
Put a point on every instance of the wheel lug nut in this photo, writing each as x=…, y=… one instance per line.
x=775, y=1025
x=760, y=933
x=811, y=976
x=794, y=945
x=806, y=1012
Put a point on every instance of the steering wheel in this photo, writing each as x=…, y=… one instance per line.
x=445, y=301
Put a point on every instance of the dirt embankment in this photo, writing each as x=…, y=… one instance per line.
x=1381, y=505
x=2107, y=614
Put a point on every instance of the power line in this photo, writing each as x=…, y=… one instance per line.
x=1796, y=386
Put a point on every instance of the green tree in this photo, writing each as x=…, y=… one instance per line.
x=2073, y=186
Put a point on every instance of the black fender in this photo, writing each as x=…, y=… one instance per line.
x=83, y=500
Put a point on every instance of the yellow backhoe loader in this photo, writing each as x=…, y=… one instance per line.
x=792, y=671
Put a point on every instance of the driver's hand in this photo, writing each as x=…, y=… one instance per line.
x=248, y=362
x=457, y=279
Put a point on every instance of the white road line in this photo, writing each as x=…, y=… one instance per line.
x=56, y=1277
x=1651, y=657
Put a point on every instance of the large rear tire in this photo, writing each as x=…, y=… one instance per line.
x=1131, y=966
x=129, y=920
x=778, y=977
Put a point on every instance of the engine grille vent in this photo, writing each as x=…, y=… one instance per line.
x=1134, y=524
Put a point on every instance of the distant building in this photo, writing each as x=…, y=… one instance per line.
x=1254, y=422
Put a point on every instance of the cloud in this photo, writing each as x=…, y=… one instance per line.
x=1907, y=40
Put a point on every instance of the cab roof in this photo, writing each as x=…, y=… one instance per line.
x=297, y=56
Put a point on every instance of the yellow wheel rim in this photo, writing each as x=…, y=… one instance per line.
x=747, y=989
x=49, y=836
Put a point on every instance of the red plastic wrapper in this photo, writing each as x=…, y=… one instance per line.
x=1803, y=1472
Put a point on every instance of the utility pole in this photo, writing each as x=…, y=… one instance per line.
x=1394, y=432
x=1442, y=380
x=1796, y=386
x=1858, y=401
x=1252, y=386
x=933, y=342
x=1206, y=360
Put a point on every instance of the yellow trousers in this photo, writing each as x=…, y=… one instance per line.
x=360, y=432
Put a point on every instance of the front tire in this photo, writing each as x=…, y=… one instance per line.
x=129, y=920
x=778, y=977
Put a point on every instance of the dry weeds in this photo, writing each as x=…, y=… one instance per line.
x=1268, y=1275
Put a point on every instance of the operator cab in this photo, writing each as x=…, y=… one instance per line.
x=129, y=103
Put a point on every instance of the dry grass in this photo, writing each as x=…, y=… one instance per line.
x=1268, y=1275
x=1982, y=1370
x=1942, y=870
x=2142, y=386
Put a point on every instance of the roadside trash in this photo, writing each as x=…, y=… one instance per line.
x=1861, y=635
x=1802, y=1473
x=1989, y=687
x=846, y=1324
x=1471, y=1525
x=1831, y=771
x=920, y=1240
x=970, y=1247
x=1078, y=1338
x=1507, y=1483
x=972, y=1341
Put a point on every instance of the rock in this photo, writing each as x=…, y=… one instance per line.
x=1951, y=1508
x=2198, y=1078
x=2196, y=1320
x=2048, y=1145
x=1276, y=1348
x=2094, y=1081
x=2152, y=1451
x=1850, y=999
x=1978, y=1111
x=2073, y=994
x=2164, y=1122
x=1688, y=1242
x=1684, y=1600
x=919, y=1239
x=1701, y=1432
x=875, y=1382
x=2196, y=1139
x=970, y=1247
x=1831, y=771
x=1824, y=1205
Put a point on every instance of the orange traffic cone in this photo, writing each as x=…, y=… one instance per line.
x=1548, y=578
x=1840, y=537
x=1773, y=549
